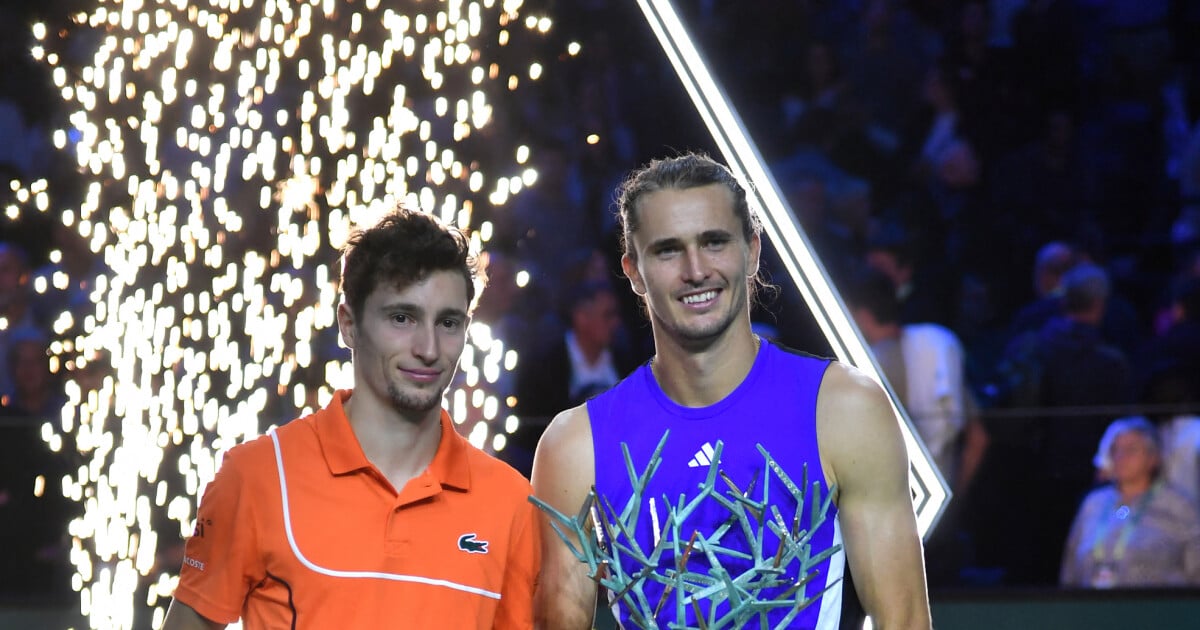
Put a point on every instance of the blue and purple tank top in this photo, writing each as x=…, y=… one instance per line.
x=775, y=407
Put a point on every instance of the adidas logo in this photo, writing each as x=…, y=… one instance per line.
x=703, y=457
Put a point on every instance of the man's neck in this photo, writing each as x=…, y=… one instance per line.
x=698, y=377
x=399, y=447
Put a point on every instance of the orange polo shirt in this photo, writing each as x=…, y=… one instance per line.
x=299, y=530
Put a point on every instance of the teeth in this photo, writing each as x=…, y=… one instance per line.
x=699, y=297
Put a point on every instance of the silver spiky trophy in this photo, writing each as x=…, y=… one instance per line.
x=765, y=586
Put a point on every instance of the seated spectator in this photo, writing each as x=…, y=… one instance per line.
x=583, y=362
x=1137, y=531
x=1179, y=451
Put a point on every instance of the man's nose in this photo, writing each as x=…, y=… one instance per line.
x=695, y=267
x=425, y=344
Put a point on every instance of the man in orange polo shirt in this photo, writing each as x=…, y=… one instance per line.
x=373, y=512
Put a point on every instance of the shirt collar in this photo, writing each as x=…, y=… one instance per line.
x=343, y=453
x=338, y=442
x=451, y=464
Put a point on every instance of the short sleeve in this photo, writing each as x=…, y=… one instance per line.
x=521, y=572
x=221, y=562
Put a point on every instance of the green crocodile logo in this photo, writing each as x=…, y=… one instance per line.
x=467, y=543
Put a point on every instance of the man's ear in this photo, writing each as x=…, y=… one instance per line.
x=345, y=318
x=755, y=253
x=629, y=266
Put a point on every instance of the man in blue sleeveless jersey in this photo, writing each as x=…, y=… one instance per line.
x=692, y=252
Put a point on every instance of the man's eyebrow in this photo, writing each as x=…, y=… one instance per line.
x=675, y=241
x=403, y=306
x=417, y=309
x=452, y=312
x=714, y=234
x=664, y=242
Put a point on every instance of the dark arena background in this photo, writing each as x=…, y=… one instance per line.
x=176, y=179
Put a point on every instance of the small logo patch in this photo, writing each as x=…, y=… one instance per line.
x=467, y=543
x=194, y=563
x=703, y=457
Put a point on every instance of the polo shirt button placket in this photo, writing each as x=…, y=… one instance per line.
x=395, y=545
x=414, y=492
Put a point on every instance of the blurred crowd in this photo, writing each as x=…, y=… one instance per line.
x=1006, y=193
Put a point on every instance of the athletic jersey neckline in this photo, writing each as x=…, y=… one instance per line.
x=343, y=453
x=701, y=413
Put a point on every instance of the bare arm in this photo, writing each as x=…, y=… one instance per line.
x=180, y=616
x=563, y=473
x=863, y=452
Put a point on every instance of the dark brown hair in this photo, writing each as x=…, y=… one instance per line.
x=403, y=248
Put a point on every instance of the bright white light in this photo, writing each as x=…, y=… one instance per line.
x=219, y=187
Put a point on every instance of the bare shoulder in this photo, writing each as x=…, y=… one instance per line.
x=563, y=468
x=849, y=403
x=569, y=428
x=857, y=428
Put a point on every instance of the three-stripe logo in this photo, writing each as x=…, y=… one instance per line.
x=703, y=457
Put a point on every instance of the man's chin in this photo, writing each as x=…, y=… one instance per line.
x=410, y=404
x=702, y=334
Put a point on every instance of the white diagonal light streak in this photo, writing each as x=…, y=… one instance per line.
x=930, y=490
